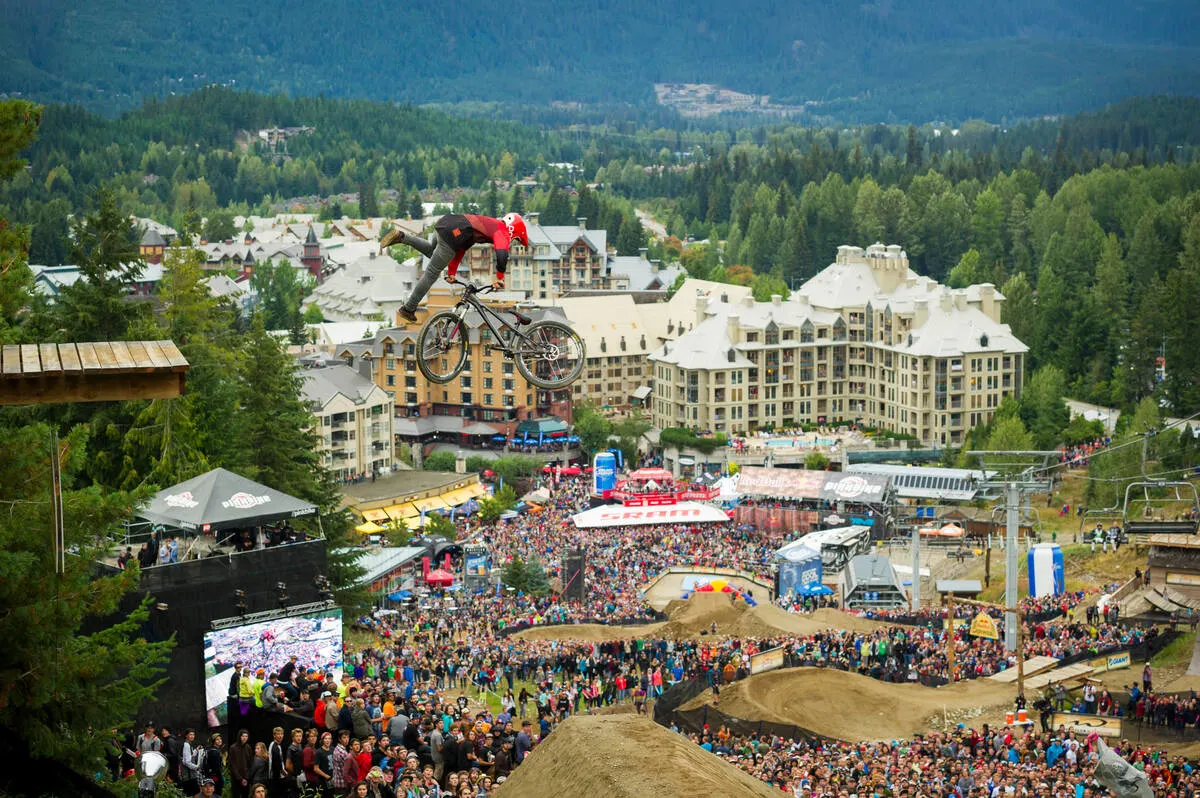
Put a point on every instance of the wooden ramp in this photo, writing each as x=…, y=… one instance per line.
x=104, y=371
x=1059, y=675
x=1033, y=665
x=1176, y=597
x=1161, y=602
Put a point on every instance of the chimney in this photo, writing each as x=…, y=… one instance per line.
x=987, y=301
x=920, y=313
x=701, y=308
x=748, y=301
x=800, y=299
x=642, y=252
x=960, y=300
x=776, y=299
x=733, y=325
x=532, y=216
x=654, y=265
x=582, y=220
x=946, y=301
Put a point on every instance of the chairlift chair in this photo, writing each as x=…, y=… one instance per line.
x=1149, y=526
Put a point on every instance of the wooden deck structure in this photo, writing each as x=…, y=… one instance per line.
x=105, y=371
x=1033, y=666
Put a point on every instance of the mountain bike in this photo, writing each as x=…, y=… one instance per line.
x=548, y=353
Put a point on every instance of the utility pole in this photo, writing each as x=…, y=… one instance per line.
x=915, y=593
x=1011, y=529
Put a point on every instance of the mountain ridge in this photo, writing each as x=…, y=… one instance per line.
x=883, y=61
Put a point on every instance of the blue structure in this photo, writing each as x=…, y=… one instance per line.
x=800, y=569
x=1046, y=570
x=604, y=473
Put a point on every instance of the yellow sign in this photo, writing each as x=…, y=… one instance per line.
x=1086, y=724
x=766, y=661
x=984, y=626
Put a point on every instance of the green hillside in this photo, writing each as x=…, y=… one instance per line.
x=858, y=61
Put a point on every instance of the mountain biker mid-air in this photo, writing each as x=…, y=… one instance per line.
x=453, y=235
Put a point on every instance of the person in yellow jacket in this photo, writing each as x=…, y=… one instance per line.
x=245, y=692
x=259, y=680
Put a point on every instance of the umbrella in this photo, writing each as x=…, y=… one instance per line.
x=369, y=528
x=572, y=471
x=400, y=595
x=815, y=589
x=489, y=473
x=500, y=438
x=573, y=439
x=508, y=515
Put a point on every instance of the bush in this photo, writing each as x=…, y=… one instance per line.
x=439, y=461
x=681, y=438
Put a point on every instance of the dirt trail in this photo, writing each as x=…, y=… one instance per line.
x=623, y=756
x=849, y=706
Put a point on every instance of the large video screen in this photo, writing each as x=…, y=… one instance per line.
x=314, y=638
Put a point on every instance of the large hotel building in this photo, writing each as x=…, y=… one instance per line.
x=866, y=340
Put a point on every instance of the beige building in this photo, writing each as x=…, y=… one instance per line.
x=353, y=421
x=866, y=340
x=619, y=334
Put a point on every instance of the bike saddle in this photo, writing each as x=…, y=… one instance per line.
x=522, y=319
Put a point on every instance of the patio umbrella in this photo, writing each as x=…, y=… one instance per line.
x=368, y=528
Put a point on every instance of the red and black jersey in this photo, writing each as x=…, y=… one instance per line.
x=463, y=231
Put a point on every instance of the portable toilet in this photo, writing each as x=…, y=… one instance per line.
x=1046, y=570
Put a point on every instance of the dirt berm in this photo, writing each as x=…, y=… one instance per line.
x=689, y=617
x=849, y=706
x=621, y=756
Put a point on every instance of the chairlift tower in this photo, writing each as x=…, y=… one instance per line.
x=1019, y=474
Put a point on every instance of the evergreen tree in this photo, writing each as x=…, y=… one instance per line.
x=273, y=423
x=587, y=207
x=1043, y=409
x=558, y=209
x=491, y=206
x=18, y=124
x=105, y=248
x=915, y=153
x=219, y=226
x=1181, y=309
x=536, y=582
x=368, y=200
x=631, y=237
x=1019, y=311
x=62, y=688
x=516, y=201
x=416, y=210
x=515, y=574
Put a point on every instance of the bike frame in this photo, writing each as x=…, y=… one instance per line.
x=470, y=300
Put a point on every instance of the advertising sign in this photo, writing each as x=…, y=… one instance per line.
x=766, y=661
x=1113, y=662
x=478, y=565
x=984, y=626
x=861, y=488
x=784, y=483
x=683, y=512
x=314, y=638
x=604, y=474
x=1086, y=724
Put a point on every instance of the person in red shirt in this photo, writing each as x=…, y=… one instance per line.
x=453, y=235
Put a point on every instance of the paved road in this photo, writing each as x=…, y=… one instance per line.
x=651, y=225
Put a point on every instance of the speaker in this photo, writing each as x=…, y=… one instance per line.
x=574, y=584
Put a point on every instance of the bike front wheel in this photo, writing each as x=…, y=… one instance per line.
x=442, y=347
x=550, y=356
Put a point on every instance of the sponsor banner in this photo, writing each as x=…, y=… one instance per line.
x=766, y=661
x=478, y=565
x=682, y=513
x=1177, y=578
x=786, y=483
x=862, y=488
x=184, y=499
x=984, y=626
x=1086, y=724
x=1113, y=662
x=244, y=501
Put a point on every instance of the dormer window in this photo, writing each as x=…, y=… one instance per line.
x=983, y=340
x=603, y=345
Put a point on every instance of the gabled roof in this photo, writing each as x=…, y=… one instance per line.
x=321, y=385
x=153, y=239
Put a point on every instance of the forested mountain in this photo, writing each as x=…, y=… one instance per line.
x=874, y=61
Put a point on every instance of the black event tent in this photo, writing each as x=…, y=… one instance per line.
x=219, y=500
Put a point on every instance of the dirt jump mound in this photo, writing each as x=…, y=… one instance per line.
x=849, y=706
x=622, y=755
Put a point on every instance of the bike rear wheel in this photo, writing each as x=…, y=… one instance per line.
x=442, y=347
x=551, y=356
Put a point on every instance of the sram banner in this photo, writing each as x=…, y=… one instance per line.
x=681, y=513
x=1086, y=724
x=766, y=661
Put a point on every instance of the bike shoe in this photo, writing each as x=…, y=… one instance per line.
x=408, y=315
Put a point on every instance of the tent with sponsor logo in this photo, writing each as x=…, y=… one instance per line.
x=220, y=500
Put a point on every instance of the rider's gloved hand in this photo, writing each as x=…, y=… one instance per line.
x=450, y=278
x=498, y=283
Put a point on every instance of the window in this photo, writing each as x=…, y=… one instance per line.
x=487, y=367
x=465, y=381
x=466, y=398
x=488, y=400
x=409, y=382
x=508, y=367
x=391, y=381
x=390, y=363
x=508, y=402
x=509, y=384
x=410, y=398
x=487, y=382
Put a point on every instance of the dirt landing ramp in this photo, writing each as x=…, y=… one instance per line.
x=625, y=757
x=849, y=706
